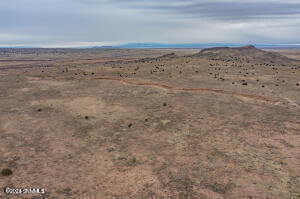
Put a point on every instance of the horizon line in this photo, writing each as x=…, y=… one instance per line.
x=147, y=45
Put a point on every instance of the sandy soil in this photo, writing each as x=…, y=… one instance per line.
x=93, y=124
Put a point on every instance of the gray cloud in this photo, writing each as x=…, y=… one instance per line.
x=51, y=22
x=219, y=10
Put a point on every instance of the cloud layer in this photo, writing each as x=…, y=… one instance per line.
x=88, y=22
x=220, y=10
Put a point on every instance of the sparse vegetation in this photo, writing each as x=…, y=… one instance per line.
x=6, y=172
x=150, y=136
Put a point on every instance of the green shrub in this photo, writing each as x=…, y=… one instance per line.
x=6, y=172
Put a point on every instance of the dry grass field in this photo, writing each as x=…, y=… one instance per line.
x=150, y=123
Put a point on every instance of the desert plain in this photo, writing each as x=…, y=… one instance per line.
x=151, y=123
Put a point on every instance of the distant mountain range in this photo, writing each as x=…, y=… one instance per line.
x=197, y=45
x=179, y=45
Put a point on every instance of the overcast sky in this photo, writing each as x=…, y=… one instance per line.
x=51, y=23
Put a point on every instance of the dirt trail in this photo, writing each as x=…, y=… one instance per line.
x=153, y=84
x=251, y=96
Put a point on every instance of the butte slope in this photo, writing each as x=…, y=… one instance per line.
x=244, y=54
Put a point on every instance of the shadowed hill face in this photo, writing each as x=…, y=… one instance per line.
x=245, y=53
x=163, y=57
x=245, y=47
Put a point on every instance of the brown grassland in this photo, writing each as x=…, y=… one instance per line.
x=150, y=123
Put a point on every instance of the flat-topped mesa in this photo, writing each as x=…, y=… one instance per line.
x=248, y=53
x=248, y=47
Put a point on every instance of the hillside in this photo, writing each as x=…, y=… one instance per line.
x=247, y=53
